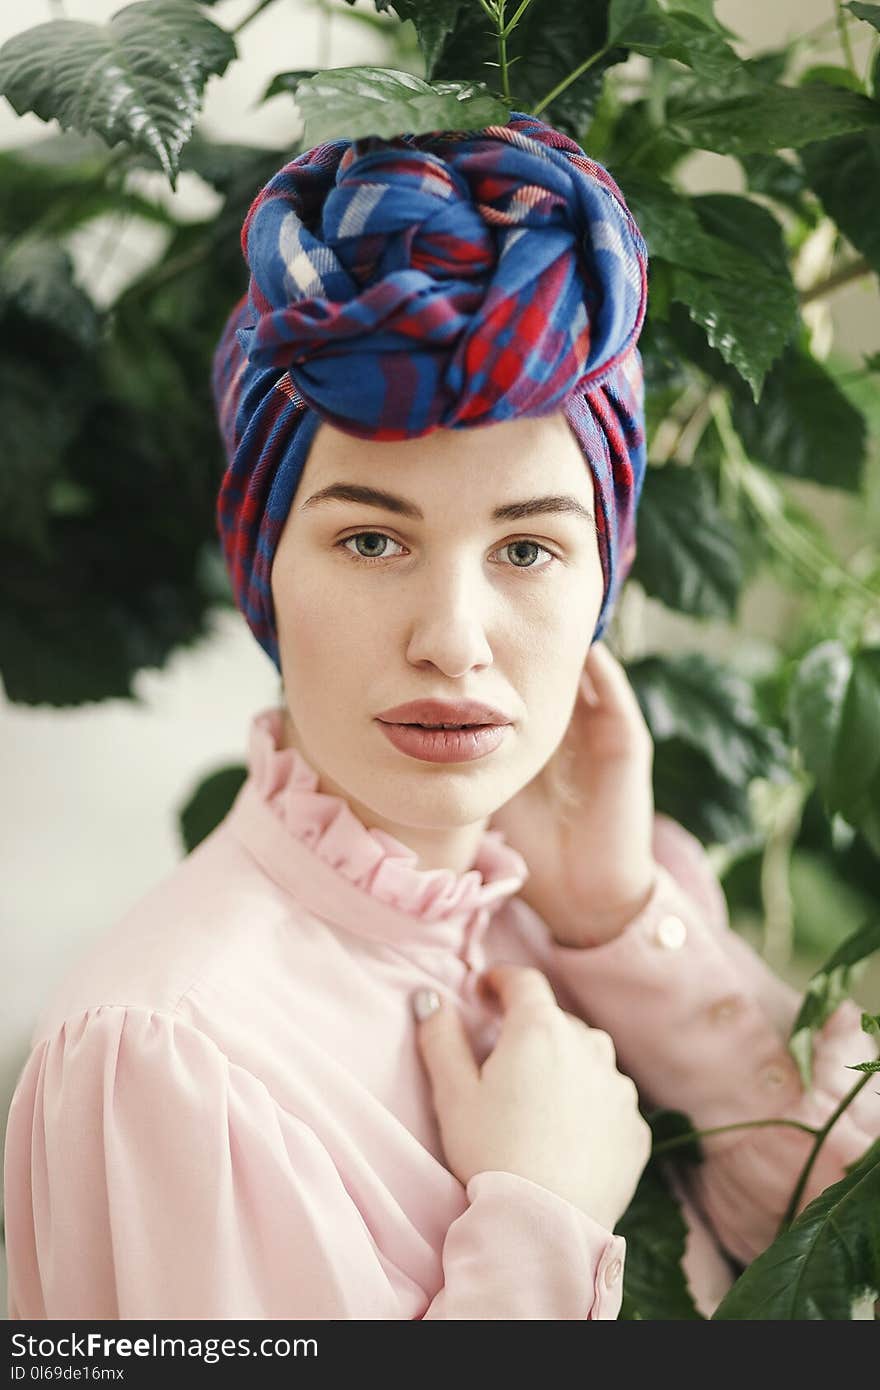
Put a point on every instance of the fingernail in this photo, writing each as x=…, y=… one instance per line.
x=424, y=1003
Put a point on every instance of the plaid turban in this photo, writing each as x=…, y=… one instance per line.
x=447, y=280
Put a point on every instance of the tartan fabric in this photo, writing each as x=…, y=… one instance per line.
x=446, y=280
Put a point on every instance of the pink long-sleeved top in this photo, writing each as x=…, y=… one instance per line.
x=224, y=1113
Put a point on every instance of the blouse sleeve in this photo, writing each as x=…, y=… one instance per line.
x=700, y=1023
x=147, y=1176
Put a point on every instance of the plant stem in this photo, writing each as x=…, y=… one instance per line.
x=567, y=81
x=854, y=271
x=776, y=895
x=821, y=1136
x=843, y=33
x=766, y=499
x=517, y=17
x=502, y=52
x=251, y=15
x=722, y=1129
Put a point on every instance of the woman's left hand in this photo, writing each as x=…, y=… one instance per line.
x=591, y=865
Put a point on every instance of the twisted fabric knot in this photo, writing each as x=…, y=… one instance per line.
x=447, y=280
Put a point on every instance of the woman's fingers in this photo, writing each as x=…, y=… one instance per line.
x=611, y=682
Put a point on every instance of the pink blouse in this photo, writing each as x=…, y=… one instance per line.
x=224, y=1113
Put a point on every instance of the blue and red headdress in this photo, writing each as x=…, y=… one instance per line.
x=448, y=280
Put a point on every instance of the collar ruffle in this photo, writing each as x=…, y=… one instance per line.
x=369, y=857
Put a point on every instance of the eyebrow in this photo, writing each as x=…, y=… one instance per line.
x=511, y=511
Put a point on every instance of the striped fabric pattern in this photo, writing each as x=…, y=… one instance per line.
x=447, y=280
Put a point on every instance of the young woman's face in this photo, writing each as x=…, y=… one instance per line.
x=375, y=608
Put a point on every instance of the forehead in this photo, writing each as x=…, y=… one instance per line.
x=487, y=461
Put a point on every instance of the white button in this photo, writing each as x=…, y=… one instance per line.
x=774, y=1076
x=725, y=1008
x=612, y=1273
x=671, y=933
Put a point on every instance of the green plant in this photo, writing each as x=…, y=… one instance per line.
x=111, y=457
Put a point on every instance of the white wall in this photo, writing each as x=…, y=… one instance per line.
x=90, y=795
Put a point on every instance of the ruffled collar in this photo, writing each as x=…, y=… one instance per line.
x=423, y=906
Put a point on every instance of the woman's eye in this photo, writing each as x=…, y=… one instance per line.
x=372, y=537
x=528, y=546
x=379, y=538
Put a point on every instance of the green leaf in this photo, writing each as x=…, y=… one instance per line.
x=236, y=171
x=687, y=553
x=434, y=22
x=138, y=78
x=777, y=178
x=845, y=175
x=286, y=83
x=702, y=703
x=737, y=222
x=641, y=25
x=832, y=74
x=209, y=804
x=688, y=788
x=870, y=13
x=805, y=426
x=826, y=991
x=834, y=708
x=826, y=1265
x=550, y=42
x=36, y=276
x=772, y=118
x=720, y=234
x=828, y=904
x=668, y=1126
x=704, y=10
x=654, y=1283
x=54, y=186
x=716, y=243
x=41, y=412
x=357, y=102
x=750, y=342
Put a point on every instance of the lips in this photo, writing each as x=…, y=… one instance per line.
x=455, y=712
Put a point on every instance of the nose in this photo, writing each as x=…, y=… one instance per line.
x=448, y=625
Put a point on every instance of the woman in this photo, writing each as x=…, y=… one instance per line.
x=230, y=1110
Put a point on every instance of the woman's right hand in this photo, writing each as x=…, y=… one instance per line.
x=548, y=1103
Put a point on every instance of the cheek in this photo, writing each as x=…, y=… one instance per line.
x=322, y=633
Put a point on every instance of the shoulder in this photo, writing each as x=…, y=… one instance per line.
x=192, y=922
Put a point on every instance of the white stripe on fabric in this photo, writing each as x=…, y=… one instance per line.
x=606, y=237
x=356, y=215
x=303, y=268
x=510, y=239
x=433, y=183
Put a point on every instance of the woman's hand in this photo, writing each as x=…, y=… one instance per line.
x=548, y=1103
x=591, y=864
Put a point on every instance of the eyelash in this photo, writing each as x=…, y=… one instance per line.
x=377, y=559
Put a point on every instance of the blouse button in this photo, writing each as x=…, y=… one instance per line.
x=612, y=1273
x=671, y=933
x=774, y=1076
x=724, y=1008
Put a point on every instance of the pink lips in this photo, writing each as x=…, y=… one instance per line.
x=444, y=712
x=444, y=745
x=486, y=728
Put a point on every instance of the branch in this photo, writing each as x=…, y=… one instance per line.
x=854, y=271
x=722, y=1129
x=792, y=1207
x=252, y=14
